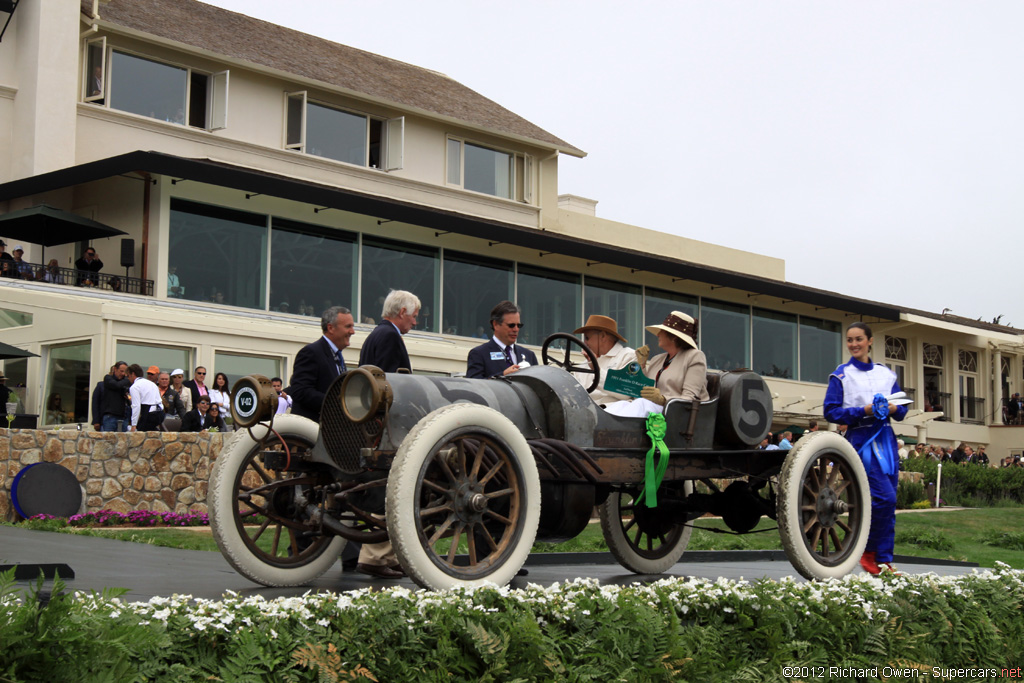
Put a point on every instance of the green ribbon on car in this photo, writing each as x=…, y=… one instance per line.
x=653, y=474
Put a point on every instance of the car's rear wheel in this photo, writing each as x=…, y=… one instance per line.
x=463, y=477
x=824, y=506
x=256, y=512
x=640, y=538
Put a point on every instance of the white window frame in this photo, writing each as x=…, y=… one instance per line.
x=87, y=47
x=522, y=176
x=392, y=153
x=217, y=85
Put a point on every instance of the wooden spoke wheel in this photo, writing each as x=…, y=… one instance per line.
x=258, y=512
x=640, y=538
x=824, y=506
x=463, y=498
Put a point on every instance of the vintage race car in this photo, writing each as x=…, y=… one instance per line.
x=463, y=475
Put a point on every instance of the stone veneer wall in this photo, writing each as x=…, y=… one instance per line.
x=163, y=471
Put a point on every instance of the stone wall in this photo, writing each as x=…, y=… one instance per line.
x=164, y=471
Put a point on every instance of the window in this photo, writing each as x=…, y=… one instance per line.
x=820, y=342
x=311, y=268
x=615, y=300
x=896, y=360
x=774, y=343
x=333, y=133
x=220, y=254
x=473, y=285
x=66, y=399
x=16, y=370
x=9, y=318
x=237, y=365
x=972, y=408
x=95, y=70
x=391, y=265
x=936, y=398
x=658, y=305
x=550, y=301
x=490, y=171
x=160, y=91
x=167, y=358
x=725, y=335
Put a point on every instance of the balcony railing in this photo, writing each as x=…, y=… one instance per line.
x=37, y=272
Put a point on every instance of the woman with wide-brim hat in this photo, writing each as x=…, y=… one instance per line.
x=680, y=372
x=601, y=335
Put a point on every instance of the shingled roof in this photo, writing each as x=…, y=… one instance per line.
x=261, y=43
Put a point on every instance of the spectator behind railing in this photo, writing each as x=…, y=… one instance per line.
x=89, y=267
x=52, y=273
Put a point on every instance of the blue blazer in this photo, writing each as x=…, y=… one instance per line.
x=480, y=365
x=314, y=370
x=385, y=349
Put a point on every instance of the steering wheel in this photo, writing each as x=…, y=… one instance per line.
x=566, y=364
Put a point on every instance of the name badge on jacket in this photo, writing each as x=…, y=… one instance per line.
x=497, y=355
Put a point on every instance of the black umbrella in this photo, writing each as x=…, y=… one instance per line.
x=48, y=227
x=7, y=351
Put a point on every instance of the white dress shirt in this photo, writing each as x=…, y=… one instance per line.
x=144, y=393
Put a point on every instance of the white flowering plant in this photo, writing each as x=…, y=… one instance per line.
x=674, y=629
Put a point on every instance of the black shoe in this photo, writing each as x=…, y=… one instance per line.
x=523, y=572
x=349, y=565
x=380, y=571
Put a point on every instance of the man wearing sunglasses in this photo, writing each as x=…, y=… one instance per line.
x=197, y=386
x=500, y=356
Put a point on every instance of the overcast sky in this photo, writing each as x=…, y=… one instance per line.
x=878, y=147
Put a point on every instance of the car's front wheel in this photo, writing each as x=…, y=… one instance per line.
x=463, y=498
x=640, y=538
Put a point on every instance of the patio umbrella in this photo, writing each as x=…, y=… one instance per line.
x=7, y=351
x=48, y=227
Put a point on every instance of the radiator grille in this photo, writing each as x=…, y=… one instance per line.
x=342, y=438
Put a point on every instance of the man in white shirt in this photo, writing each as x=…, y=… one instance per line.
x=284, y=401
x=147, y=406
x=601, y=335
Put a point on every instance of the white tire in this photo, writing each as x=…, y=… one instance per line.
x=464, y=472
x=639, y=538
x=823, y=506
x=272, y=552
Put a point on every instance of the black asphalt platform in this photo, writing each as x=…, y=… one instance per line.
x=149, y=571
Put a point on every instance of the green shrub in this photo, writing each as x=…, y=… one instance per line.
x=973, y=485
x=922, y=505
x=928, y=538
x=1004, y=539
x=908, y=493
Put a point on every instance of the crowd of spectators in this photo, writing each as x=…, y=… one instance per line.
x=130, y=399
x=86, y=272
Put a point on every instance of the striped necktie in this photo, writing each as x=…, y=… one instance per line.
x=341, y=361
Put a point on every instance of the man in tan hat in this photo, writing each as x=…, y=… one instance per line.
x=601, y=335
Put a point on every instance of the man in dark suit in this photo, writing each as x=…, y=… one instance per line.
x=196, y=386
x=385, y=347
x=113, y=405
x=199, y=418
x=500, y=356
x=317, y=365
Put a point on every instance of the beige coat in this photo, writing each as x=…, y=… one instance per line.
x=685, y=377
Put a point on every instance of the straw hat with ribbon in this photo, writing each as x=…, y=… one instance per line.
x=678, y=324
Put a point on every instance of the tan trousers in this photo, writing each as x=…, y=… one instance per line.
x=378, y=554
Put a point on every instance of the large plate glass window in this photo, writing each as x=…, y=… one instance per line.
x=167, y=358
x=237, y=365
x=658, y=305
x=616, y=300
x=334, y=133
x=66, y=398
x=725, y=334
x=391, y=265
x=820, y=344
x=473, y=285
x=311, y=268
x=16, y=370
x=11, y=318
x=550, y=301
x=774, y=344
x=220, y=254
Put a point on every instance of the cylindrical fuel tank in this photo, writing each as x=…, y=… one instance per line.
x=744, y=410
